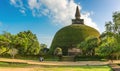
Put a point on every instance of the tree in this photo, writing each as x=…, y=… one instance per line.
x=6, y=41
x=13, y=52
x=58, y=52
x=83, y=46
x=110, y=39
x=109, y=48
x=44, y=50
x=43, y=45
x=88, y=46
x=115, y=25
x=92, y=44
x=108, y=26
x=116, y=20
x=27, y=43
x=2, y=49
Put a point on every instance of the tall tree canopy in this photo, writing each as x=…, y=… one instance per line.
x=115, y=25
x=110, y=39
x=25, y=42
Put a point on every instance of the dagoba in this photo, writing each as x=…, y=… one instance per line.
x=70, y=36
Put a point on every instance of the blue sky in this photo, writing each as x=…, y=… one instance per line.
x=46, y=17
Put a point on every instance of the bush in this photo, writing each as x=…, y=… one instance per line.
x=88, y=58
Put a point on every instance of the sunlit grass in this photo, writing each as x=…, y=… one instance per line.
x=13, y=64
x=75, y=68
x=54, y=68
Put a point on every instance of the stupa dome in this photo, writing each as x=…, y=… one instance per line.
x=70, y=36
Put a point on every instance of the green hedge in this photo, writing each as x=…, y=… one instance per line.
x=88, y=58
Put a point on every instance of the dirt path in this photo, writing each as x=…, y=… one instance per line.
x=16, y=69
x=56, y=62
x=115, y=67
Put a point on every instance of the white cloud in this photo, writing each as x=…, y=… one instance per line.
x=35, y=7
x=88, y=21
x=59, y=11
x=18, y=4
x=13, y=1
x=34, y=4
x=22, y=11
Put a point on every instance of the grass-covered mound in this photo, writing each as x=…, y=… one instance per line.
x=70, y=36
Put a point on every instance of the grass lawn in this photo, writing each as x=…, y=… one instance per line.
x=54, y=68
x=15, y=64
x=75, y=68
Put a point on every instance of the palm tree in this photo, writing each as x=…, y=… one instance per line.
x=108, y=26
x=116, y=20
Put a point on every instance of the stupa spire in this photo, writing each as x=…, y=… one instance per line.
x=77, y=14
x=77, y=19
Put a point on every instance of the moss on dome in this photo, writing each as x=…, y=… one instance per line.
x=70, y=36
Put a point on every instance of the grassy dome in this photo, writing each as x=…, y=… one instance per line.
x=70, y=36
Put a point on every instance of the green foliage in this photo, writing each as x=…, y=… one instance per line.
x=108, y=26
x=88, y=58
x=117, y=36
x=68, y=58
x=13, y=52
x=13, y=64
x=44, y=50
x=71, y=36
x=88, y=46
x=110, y=39
x=116, y=17
x=115, y=26
x=58, y=51
x=25, y=42
x=4, y=41
x=74, y=68
x=109, y=48
x=43, y=46
x=49, y=57
x=2, y=49
x=53, y=67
